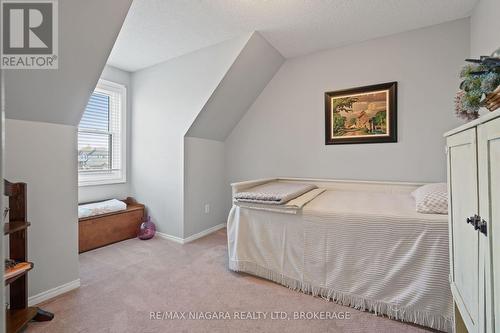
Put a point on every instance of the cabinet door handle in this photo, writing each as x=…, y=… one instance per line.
x=474, y=220
x=478, y=224
x=483, y=227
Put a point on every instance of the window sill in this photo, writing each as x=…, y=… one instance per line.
x=100, y=182
x=101, y=179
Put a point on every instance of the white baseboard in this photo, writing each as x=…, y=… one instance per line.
x=170, y=237
x=204, y=232
x=51, y=293
x=192, y=237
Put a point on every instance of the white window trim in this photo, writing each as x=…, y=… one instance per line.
x=117, y=176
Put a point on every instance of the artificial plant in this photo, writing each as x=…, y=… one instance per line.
x=479, y=78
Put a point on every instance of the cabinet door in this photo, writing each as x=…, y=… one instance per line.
x=489, y=194
x=464, y=241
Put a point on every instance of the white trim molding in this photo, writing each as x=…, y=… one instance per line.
x=205, y=232
x=169, y=237
x=192, y=237
x=51, y=293
x=118, y=110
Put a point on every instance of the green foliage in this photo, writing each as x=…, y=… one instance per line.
x=469, y=70
x=478, y=81
x=472, y=98
x=490, y=81
x=338, y=124
x=343, y=104
x=379, y=118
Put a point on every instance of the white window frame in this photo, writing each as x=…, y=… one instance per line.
x=114, y=176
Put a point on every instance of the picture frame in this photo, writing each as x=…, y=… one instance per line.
x=365, y=114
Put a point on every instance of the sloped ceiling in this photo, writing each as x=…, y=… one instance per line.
x=87, y=32
x=248, y=76
x=171, y=28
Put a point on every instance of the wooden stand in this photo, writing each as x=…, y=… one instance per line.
x=19, y=314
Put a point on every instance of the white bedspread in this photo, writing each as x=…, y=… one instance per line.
x=366, y=250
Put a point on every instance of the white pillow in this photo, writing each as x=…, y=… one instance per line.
x=432, y=198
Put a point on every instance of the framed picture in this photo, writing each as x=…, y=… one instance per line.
x=361, y=115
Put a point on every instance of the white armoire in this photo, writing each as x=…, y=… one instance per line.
x=473, y=154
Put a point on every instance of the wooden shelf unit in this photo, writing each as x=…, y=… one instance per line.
x=19, y=313
x=15, y=320
x=15, y=226
x=15, y=277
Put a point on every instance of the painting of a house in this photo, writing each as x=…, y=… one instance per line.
x=361, y=113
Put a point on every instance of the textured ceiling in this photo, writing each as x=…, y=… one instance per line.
x=158, y=30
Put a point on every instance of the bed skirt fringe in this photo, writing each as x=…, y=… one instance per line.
x=392, y=311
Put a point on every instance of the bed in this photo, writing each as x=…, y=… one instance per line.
x=360, y=244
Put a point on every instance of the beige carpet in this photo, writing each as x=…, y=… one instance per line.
x=122, y=283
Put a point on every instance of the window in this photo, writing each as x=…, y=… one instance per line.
x=101, y=136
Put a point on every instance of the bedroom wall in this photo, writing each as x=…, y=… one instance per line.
x=43, y=107
x=122, y=190
x=485, y=28
x=204, y=175
x=204, y=184
x=248, y=75
x=282, y=134
x=43, y=155
x=167, y=98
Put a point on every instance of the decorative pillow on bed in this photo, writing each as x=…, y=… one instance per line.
x=432, y=198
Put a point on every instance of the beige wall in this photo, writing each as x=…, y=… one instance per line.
x=282, y=134
x=166, y=100
x=204, y=184
x=43, y=155
x=204, y=169
x=485, y=28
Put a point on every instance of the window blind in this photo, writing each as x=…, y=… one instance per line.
x=99, y=137
x=96, y=115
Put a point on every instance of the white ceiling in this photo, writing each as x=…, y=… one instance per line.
x=158, y=30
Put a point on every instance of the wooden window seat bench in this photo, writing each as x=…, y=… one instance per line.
x=104, y=229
